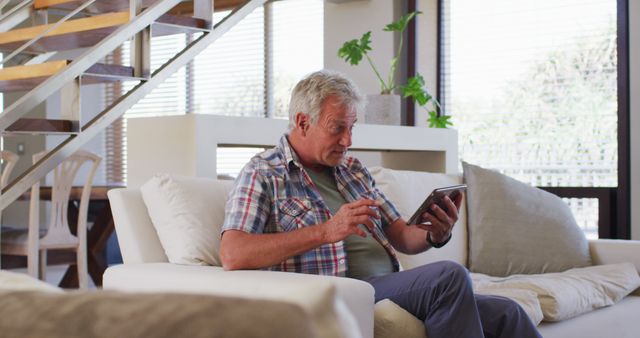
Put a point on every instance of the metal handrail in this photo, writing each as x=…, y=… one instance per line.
x=92, y=128
x=3, y=3
x=46, y=31
x=14, y=9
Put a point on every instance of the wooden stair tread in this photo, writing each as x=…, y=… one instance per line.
x=43, y=126
x=87, y=32
x=31, y=71
x=22, y=78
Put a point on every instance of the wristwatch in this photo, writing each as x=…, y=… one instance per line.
x=437, y=245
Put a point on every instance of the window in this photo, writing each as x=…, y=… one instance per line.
x=249, y=71
x=532, y=89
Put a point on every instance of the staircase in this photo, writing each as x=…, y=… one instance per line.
x=96, y=28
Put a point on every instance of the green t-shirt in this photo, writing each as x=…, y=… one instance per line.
x=366, y=257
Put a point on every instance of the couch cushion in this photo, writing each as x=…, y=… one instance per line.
x=518, y=229
x=407, y=190
x=393, y=321
x=527, y=299
x=113, y=314
x=619, y=321
x=564, y=295
x=187, y=213
x=14, y=281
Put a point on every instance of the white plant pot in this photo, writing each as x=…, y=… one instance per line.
x=383, y=109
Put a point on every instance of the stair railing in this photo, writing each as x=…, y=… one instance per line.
x=46, y=31
x=92, y=128
x=15, y=15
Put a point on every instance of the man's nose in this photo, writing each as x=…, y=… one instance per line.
x=345, y=139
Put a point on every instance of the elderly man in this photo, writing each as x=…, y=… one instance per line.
x=306, y=207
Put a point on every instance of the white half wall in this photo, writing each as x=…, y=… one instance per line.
x=634, y=57
x=187, y=144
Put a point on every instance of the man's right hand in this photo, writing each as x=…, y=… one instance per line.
x=345, y=222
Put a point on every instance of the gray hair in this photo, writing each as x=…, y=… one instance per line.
x=309, y=94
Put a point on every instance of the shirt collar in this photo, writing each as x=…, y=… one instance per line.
x=291, y=158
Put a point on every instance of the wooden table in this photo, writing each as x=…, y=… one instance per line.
x=97, y=235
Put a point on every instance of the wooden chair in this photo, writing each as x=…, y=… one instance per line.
x=35, y=243
x=9, y=160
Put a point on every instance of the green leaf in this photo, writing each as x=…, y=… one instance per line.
x=415, y=89
x=436, y=121
x=400, y=25
x=353, y=51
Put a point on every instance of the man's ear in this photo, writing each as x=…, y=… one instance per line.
x=302, y=122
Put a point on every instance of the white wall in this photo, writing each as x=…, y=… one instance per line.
x=347, y=21
x=634, y=44
x=427, y=49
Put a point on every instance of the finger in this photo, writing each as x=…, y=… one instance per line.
x=435, y=224
x=364, y=220
x=362, y=202
x=440, y=214
x=366, y=210
x=358, y=231
x=458, y=200
x=452, y=210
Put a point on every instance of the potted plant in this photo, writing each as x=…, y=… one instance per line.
x=385, y=107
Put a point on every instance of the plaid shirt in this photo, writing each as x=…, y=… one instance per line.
x=274, y=194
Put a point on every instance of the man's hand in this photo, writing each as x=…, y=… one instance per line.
x=345, y=222
x=440, y=223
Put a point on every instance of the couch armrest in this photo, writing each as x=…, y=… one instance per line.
x=355, y=298
x=611, y=251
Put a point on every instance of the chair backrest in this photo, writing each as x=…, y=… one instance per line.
x=9, y=160
x=63, y=178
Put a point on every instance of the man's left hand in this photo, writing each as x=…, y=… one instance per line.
x=439, y=222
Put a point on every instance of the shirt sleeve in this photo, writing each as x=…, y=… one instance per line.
x=248, y=205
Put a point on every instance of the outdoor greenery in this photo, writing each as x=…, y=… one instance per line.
x=559, y=118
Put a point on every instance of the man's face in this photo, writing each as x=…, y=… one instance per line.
x=330, y=137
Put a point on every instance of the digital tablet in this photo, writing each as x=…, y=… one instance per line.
x=436, y=197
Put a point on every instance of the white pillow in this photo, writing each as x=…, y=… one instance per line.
x=187, y=213
x=407, y=190
x=564, y=295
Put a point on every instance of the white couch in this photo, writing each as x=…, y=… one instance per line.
x=146, y=268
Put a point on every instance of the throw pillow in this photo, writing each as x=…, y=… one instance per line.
x=518, y=229
x=407, y=190
x=564, y=295
x=527, y=299
x=390, y=320
x=187, y=213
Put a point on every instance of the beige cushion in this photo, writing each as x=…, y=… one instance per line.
x=392, y=321
x=518, y=229
x=407, y=190
x=564, y=295
x=13, y=281
x=187, y=214
x=527, y=299
x=113, y=314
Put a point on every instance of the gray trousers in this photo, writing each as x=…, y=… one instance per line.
x=441, y=295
